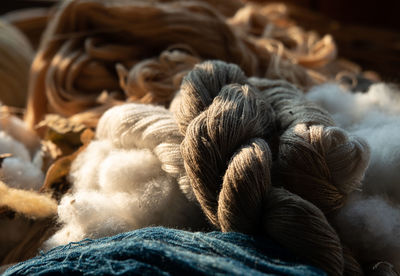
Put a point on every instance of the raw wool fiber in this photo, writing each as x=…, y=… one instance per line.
x=227, y=124
x=270, y=27
x=22, y=169
x=22, y=207
x=370, y=221
x=93, y=46
x=16, y=57
x=128, y=178
x=29, y=203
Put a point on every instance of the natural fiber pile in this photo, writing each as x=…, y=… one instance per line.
x=128, y=178
x=92, y=46
x=317, y=160
x=370, y=221
x=22, y=207
x=21, y=158
x=258, y=157
x=198, y=112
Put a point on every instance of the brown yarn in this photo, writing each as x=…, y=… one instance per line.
x=227, y=158
x=86, y=40
x=270, y=27
x=155, y=80
x=317, y=161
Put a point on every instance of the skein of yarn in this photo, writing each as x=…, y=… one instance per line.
x=88, y=39
x=319, y=162
x=370, y=220
x=316, y=160
x=270, y=27
x=226, y=124
x=76, y=61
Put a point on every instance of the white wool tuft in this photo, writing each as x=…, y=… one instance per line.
x=84, y=169
x=127, y=178
x=10, y=145
x=21, y=174
x=372, y=225
x=19, y=171
x=371, y=221
x=123, y=168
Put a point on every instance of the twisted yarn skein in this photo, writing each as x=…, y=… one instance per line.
x=226, y=125
x=320, y=162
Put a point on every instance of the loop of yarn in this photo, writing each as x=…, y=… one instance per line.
x=87, y=38
x=316, y=160
x=156, y=80
x=227, y=158
x=290, y=105
x=88, y=43
x=210, y=77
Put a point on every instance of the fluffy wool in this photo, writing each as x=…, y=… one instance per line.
x=20, y=170
x=370, y=221
x=120, y=181
x=372, y=226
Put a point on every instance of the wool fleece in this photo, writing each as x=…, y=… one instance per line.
x=127, y=178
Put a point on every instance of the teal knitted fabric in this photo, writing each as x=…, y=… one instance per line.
x=162, y=251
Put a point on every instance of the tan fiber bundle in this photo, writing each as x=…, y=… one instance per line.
x=16, y=57
x=23, y=214
x=270, y=27
x=155, y=80
x=86, y=39
x=227, y=158
x=317, y=160
x=155, y=41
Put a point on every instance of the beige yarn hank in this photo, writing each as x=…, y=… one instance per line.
x=87, y=39
x=227, y=158
x=316, y=160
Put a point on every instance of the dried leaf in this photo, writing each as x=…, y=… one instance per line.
x=50, y=152
x=56, y=180
x=63, y=132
